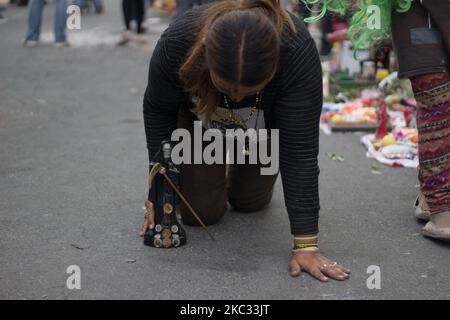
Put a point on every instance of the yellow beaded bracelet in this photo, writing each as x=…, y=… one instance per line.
x=306, y=247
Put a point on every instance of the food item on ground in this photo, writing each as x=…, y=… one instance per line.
x=351, y=113
x=397, y=151
x=410, y=134
x=388, y=140
x=400, y=144
x=337, y=118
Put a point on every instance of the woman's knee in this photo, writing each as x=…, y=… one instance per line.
x=251, y=204
x=209, y=213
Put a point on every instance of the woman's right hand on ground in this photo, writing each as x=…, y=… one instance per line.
x=149, y=217
x=318, y=266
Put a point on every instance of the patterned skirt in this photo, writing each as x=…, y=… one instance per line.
x=432, y=92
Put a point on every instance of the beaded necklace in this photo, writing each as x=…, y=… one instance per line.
x=231, y=115
x=232, y=118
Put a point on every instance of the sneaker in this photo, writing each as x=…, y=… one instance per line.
x=64, y=44
x=30, y=43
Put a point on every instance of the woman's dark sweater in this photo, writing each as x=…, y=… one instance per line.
x=291, y=102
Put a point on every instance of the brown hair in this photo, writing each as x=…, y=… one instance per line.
x=239, y=40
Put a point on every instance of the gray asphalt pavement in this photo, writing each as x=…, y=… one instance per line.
x=73, y=166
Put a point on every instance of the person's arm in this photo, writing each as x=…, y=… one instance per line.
x=163, y=96
x=297, y=115
x=162, y=101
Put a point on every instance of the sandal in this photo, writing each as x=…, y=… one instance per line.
x=432, y=231
x=421, y=211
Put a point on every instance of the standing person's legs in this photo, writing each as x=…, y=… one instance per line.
x=98, y=5
x=432, y=92
x=60, y=20
x=2, y=17
x=34, y=19
x=326, y=27
x=139, y=14
x=80, y=3
x=421, y=42
x=127, y=10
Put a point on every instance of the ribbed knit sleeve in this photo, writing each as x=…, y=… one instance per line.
x=164, y=94
x=297, y=114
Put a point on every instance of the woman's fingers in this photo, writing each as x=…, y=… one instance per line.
x=295, y=268
x=346, y=270
x=316, y=273
x=151, y=215
x=343, y=270
x=178, y=213
x=333, y=270
x=149, y=219
x=144, y=228
x=337, y=266
x=334, y=273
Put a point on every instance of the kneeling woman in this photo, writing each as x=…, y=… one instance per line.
x=250, y=65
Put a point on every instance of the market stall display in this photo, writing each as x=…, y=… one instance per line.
x=396, y=149
x=349, y=117
x=386, y=109
x=360, y=114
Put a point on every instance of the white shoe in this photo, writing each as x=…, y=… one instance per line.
x=432, y=231
x=420, y=210
x=64, y=44
x=438, y=227
x=30, y=43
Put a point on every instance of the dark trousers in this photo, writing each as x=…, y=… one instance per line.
x=208, y=188
x=133, y=10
